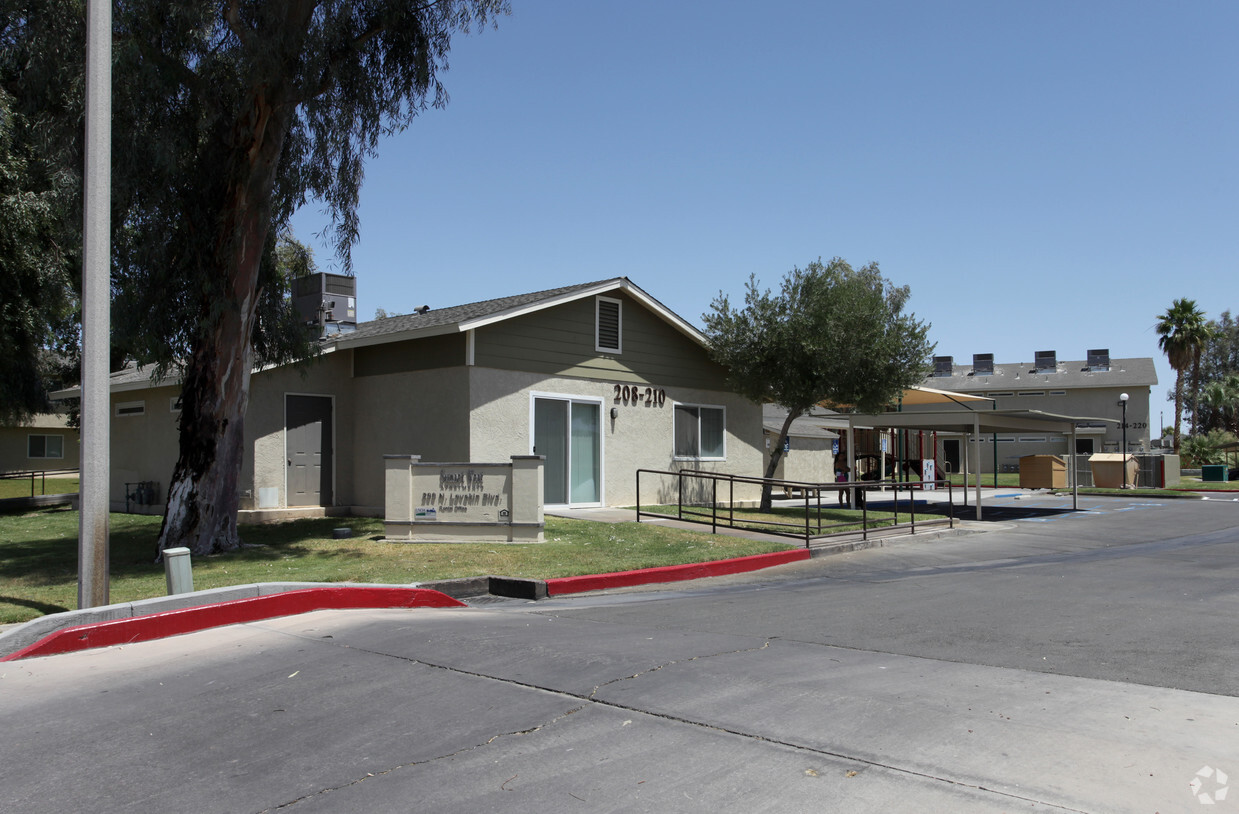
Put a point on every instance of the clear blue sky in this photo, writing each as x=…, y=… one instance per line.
x=1043, y=175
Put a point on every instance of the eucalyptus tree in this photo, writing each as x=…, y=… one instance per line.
x=831, y=333
x=38, y=264
x=1182, y=333
x=228, y=116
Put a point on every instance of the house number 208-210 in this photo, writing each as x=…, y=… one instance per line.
x=648, y=396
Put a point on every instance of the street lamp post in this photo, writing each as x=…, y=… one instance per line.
x=1123, y=403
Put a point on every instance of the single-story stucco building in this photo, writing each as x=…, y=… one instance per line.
x=600, y=379
x=43, y=442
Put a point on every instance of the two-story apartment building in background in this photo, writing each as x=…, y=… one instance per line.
x=1091, y=387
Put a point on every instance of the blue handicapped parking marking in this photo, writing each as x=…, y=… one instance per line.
x=1088, y=512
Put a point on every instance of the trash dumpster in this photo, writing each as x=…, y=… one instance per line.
x=1043, y=472
x=1108, y=470
x=1215, y=473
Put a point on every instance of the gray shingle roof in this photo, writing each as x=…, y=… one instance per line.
x=440, y=321
x=454, y=315
x=815, y=425
x=1067, y=375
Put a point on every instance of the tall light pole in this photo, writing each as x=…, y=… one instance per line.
x=1123, y=403
x=93, y=530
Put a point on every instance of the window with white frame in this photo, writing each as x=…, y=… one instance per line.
x=130, y=408
x=700, y=431
x=45, y=446
x=608, y=334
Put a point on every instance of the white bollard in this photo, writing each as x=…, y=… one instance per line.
x=176, y=567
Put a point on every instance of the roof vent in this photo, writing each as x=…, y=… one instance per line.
x=983, y=364
x=943, y=366
x=423, y=309
x=1046, y=361
x=1099, y=359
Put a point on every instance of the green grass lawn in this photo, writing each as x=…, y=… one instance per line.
x=20, y=487
x=790, y=519
x=1005, y=479
x=1194, y=482
x=38, y=556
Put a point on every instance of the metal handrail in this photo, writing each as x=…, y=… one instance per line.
x=41, y=474
x=808, y=531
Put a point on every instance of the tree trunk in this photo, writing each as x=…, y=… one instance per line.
x=767, y=499
x=202, y=503
x=1197, y=425
x=1178, y=407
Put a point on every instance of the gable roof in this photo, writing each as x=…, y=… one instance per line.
x=455, y=319
x=462, y=318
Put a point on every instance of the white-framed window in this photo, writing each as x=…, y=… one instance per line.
x=700, y=432
x=1032, y=392
x=1032, y=439
x=608, y=322
x=128, y=408
x=996, y=395
x=174, y=404
x=45, y=446
x=1058, y=392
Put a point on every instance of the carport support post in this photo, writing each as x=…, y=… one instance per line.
x=1071, y=471
x=976, y=444
x=851, y=462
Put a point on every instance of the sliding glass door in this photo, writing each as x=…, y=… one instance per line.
x=568, y=433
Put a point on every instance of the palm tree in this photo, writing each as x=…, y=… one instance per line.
x=1182, y=333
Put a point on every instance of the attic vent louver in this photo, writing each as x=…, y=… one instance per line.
x=608, y=329
x=983, y=364
x=1046, y=361
x=943, y=366
x=1099, y=359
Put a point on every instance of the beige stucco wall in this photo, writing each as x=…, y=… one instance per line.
x=639, y=437
x=143, y=447
x=265, y=461
x=417, y=413
x=810, y=460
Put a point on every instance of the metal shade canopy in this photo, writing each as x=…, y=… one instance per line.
x=920, y=396
x=974, y=424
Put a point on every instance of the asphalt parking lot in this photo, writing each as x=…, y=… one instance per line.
x=1045, y=661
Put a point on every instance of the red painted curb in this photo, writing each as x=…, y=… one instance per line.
x=672, y=573
x=237, y=611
